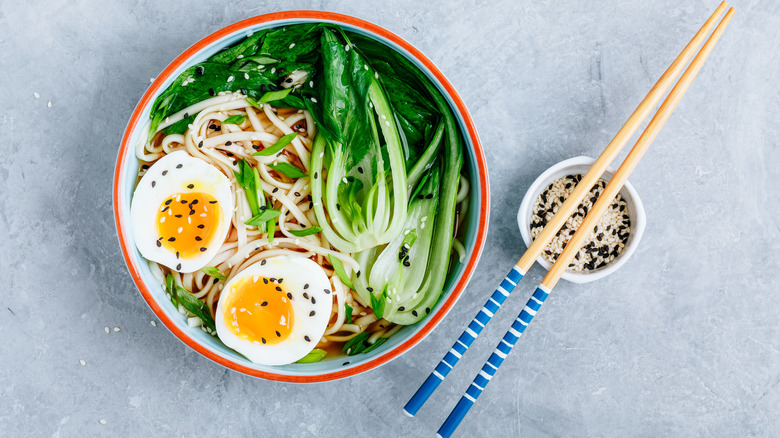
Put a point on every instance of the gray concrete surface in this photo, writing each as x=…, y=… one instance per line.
x=683, y=341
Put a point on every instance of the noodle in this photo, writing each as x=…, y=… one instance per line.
x=246, y=245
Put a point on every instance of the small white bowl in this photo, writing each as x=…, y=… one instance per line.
x=573, y=166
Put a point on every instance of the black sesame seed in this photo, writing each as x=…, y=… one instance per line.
x=278, y=335
x=276, y=189
x=278, y=288
x=212, y=92
x=327, y=291
x=229, y=154
x=289, y=295
x=212, y=202
x=202, y=249
x=305, y=295
x=401, y=309
x=265, y=280
x=430, y=195
x=158, y=243
x=154, y=183
x=199, y=70
x=201, y=226
x=357, y=274
x=345, y=363
x=216, y=280
x=338, y=207
x=178, y=267
x=427, y=310
x=306, y=286
x=297, y=194
x=313, y=300
x=307, y=338
x=168, y=202
x=414, y=312
x=262, y=340
x=360, y=169
x=171, y=239
x=262, y=262
x=315, y=175
x=177, y=254
x=312, y=313
x=370, y=289
x=264, y=303
x=191, y=186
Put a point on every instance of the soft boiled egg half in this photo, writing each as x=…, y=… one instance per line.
x=181, y=212
x=275, y=311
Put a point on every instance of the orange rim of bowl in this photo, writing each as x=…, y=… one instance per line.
x=433, y=320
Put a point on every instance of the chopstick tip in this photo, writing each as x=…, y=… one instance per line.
x=408, y=414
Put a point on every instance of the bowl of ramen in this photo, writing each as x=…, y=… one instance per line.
x=301, y=196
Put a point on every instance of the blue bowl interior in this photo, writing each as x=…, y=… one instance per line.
x=213, y=344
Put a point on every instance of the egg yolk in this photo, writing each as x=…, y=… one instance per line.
x=187, y=222
x=259, y=310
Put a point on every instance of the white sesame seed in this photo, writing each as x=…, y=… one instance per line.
x=153, y=323
x=107, y=330
x=273, y=70
x=240, y=56
x=37, y=96
x=292, y=45
x=314, y=100
x=103, y=422
x=117, y=329
x=82, y=362
x=49, y=104
x=180, y=229
x=246, y=75
x=230, y=78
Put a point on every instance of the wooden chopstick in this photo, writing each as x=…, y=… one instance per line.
x=573, y=246
x=556, y=222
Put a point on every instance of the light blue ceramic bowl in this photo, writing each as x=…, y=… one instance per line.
x=211, y=347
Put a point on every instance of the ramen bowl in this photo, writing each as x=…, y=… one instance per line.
x=125, y=176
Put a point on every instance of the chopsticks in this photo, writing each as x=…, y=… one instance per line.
x=554, y=225
x=591, y=219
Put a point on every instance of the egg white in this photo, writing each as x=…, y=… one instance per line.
x=299, y=275
x=169, y=175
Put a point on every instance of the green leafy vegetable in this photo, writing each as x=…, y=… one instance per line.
x=248, y=180
x=170, y=287
x=288, y=169
x=271, y=224
x=195, y=306
x=253, y=102
x=378, y=303
x=360, y=147
x=356, y=341
x=348, y=312
x=315, y=355
x=306, y=232
x=275, y=95
x=234, y=120
x=264, y=216
x=213, y=272
x=338, y=267
x=375, y=345
x=278, y=146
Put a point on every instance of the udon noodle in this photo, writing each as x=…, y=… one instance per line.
x=222, y=145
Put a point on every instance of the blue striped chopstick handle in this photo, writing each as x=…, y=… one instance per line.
x=494, y=361
x=464, y=341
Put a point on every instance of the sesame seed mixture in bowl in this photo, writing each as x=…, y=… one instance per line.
x=608, y=238
x=609, y=245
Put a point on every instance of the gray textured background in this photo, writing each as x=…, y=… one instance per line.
x=683, y=341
